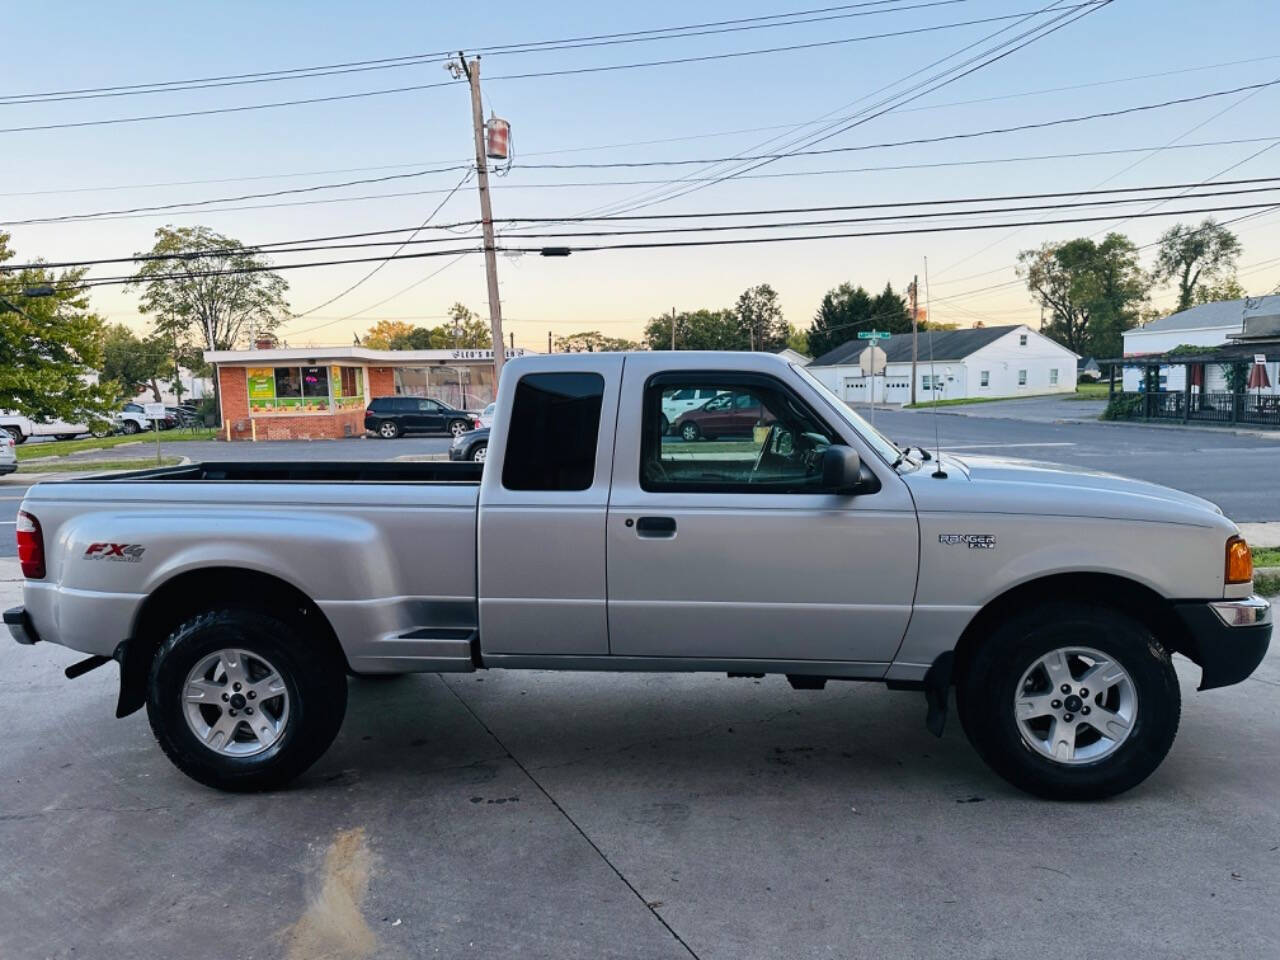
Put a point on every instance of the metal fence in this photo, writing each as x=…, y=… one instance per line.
x=1259, y=409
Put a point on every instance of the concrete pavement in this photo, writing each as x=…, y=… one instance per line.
x=589, y=815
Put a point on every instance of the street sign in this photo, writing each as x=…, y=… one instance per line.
x=874, y=334
x=153, y=411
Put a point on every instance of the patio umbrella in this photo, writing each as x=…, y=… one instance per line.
x=1258, y=379
x=1197, y=375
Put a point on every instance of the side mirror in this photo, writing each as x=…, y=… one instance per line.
x=841, y=469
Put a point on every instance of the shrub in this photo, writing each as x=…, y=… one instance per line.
x=1123, y=406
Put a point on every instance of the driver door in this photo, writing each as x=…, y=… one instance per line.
x=729, y=549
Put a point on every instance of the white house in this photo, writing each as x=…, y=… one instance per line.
x=1004, y=361
x=1205, y=325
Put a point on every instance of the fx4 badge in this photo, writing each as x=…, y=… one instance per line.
x=976, y=541
x=120, y=552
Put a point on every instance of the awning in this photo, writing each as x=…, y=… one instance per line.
x=1197, y=375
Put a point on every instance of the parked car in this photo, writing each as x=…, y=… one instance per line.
x=133, y=419
x=8, y=455
x=725, y=415
x=391, y=417
x=485, y=418
x=472, y=445
x=20, y=428
x=182, y=416
x=676, y=402
x=234, y=596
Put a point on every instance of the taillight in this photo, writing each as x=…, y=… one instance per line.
x=30, y=546
x=1239, y=561
x=475, y=425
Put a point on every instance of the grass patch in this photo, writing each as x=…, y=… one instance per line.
x=1267, y=584
x=99, y=466
x=961, y=401
x=1266, y=556
x=1090, y=391
x=60, y=448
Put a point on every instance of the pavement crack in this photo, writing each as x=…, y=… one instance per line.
x=573, y=823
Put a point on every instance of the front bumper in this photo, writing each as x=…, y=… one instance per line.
x=1227, y=638
x=20, y=627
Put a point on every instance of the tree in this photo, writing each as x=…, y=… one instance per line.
x=135, y=363
x=1228, y=288
x=382, y=333
x=761, y=319
x=697, y=330
x=1196, y=255
x=798, y=339
x=50, y=346
x=466, y=330
x=890, y=311
x=842, y=313
x=1093, y=291
x=593, y=341
x=419, y=338
x=214, y=300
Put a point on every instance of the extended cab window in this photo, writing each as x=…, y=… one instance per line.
x=751, y=436
x=551, y=435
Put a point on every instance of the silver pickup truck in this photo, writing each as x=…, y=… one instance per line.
x=782, y=534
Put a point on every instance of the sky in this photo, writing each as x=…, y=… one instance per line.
x=1127, y=53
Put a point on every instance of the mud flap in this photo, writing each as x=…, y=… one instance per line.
x=937, y=687
x=134, y=662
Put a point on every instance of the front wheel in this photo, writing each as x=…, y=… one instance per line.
x=1071, y=701
x=689, y=432
x=243, y=700
x=129, y=427
x=480, y=453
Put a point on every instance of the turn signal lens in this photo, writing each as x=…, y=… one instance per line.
x=30, y=546
x=1239, y=561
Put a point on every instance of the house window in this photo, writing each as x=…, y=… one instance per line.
x=984, y=378
x=1022, y=378
x=1053, y=377
x=1022, y=340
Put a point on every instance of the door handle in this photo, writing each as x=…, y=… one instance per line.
x=656, y=527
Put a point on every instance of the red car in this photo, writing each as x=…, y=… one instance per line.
x=729, y=414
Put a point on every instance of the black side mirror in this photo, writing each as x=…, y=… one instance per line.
x=841, y=469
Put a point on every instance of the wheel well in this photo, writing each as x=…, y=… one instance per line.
x=1100, y=589
x=190, y=593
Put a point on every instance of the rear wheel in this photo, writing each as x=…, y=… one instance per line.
x=66, y=436
x=16, y=434
x=458, y=427
x=388, y=429
x=690, y=431
x=1071, y=701
x=243, y=700
x=130, y=427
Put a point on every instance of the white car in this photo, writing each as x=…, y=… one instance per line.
x=133, y=419
x=20, y=428
x=8, y=456
x=682, y=401
x=485, y=420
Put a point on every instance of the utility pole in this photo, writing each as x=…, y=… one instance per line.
x=472, y=72
x=513, y=341
x=673, y=328
x=915, y=334
x=548, y=341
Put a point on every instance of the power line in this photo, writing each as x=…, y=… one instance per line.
x=575, y=71
x=305, y=244
x=441, y=56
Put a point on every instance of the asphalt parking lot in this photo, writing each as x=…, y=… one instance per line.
x=588, y=815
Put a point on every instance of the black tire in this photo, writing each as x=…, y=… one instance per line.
x=480, y=452
x=314, y=681
x=130, y=427
x=689, y=431
x=458, y=427
x=985, y=699
x=388, y=430
x=16, y=434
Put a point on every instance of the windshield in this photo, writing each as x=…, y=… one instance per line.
x=882, y=444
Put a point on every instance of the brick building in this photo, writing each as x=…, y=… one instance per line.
x=321, y=392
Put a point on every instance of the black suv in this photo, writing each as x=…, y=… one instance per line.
x=389, y=417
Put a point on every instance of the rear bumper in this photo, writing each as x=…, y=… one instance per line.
x=20, y=627
x=1227, y=638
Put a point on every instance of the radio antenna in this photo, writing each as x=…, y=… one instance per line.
x=933, y=383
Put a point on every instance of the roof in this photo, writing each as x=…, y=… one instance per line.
x=314, y=355
x=938, y=344
x=1228, y=314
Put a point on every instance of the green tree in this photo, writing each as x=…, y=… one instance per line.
x=419, y=338
x=208, y=291
x=1195, y=256
x=890, y=311
x=1094, y=291
x=798, y=339
x=592, y=341
x=760, y=317
x=697, y=330
x=1228, y=288
x=50, y=346
x=134, y=363
x=466, y=330
x=843, y=312
x=381, y=335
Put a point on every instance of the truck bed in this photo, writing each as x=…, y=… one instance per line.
x=434, y=471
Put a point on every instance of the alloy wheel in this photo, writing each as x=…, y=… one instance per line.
x=1075, y=705
x=236, y=703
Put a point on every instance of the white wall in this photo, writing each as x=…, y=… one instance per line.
x=1139, y=341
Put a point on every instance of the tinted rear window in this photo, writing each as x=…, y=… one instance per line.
x=551, y=436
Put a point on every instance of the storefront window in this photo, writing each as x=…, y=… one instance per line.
x=348, y=387
x=304, y=389
x=461, y=386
